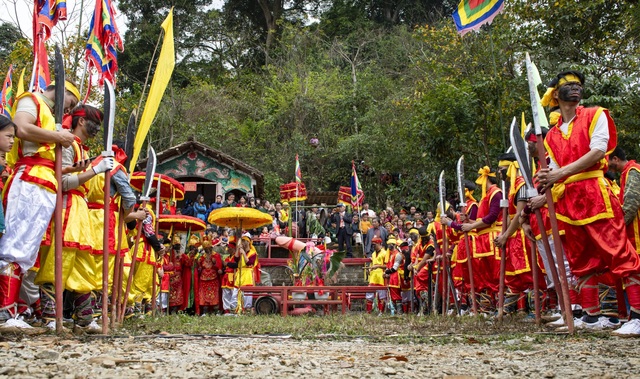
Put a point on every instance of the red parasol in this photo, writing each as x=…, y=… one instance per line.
x=169, y=189
x=181, y=223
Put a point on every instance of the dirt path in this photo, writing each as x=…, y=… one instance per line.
x=206, y=357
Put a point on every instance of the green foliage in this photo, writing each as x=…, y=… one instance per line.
x=389, y=85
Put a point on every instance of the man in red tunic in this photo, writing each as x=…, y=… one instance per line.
x=422, y=254
x=595, y=233
x=485, y=228
x=629, y=192
x=394, y=272
x=210, y=268
x=176, y=291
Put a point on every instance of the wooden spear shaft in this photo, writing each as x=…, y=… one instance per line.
x=105, y=252
x=117, y=274
x=564, y=284
x=536, y=287
x=503, y=254
x=57, y=219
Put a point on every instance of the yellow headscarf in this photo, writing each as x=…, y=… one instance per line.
x=71, y=88
x=553, y=118
x=548, y=100
x=484, y=173
x=512, y=174
x=469, y=194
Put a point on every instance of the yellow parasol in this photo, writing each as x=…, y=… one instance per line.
x=239, y=218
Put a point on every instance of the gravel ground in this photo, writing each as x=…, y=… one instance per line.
x=167, y=356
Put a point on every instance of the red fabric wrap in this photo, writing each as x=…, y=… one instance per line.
x=590, y=298
x=10, y=282
x=633, y=292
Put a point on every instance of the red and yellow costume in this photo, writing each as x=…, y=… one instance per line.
x=142, y=286
x=95, y=201
x=460, y=269
x=376, y=279
x=485, y=262
x=209, y=281
x=633, y=229
x=29, y=199
x=395, y=278
x=78, y=265
x=592, y=214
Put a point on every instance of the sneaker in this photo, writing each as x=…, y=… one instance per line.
x=630, y=329
x=51, y=325
x=92, y=328
x=577, y=324
x=16, y=323
x=609, y=322
x=556, y=323
x=581, y=324
x=552, y=317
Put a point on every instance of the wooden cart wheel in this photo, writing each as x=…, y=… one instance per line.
x=266, y=305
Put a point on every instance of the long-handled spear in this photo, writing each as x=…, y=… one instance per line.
x=504, y=204
x=57, y=217
x=564, y=285
x=146, y=190
x=155, y=272
x=445, y=288
x=522, y=156
x=460, y=172
x=116, y=288
x=109, y=119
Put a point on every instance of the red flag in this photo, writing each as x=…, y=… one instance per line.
x=46, y=14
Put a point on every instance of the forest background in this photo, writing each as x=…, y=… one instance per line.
x=388, y=84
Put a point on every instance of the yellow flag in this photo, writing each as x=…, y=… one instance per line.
x=523, y=126
x=21, y=83
x=164, y=69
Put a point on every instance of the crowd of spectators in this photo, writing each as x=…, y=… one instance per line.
x=333, y=223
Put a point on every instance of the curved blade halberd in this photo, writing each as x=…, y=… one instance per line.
x=60, y=90
x=151, y=171
x=533, y=77
x=109, y=117
x=460, y=176
x=522, y=155
x=443, y=193
x=130, y=137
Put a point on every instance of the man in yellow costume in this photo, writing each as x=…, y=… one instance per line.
x=78, y=266
x=142, y=287
x=30, y=193
x=122, y=196
x=246, y=257
x=379, y=260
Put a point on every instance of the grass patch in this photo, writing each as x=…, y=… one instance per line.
x=399, y=329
